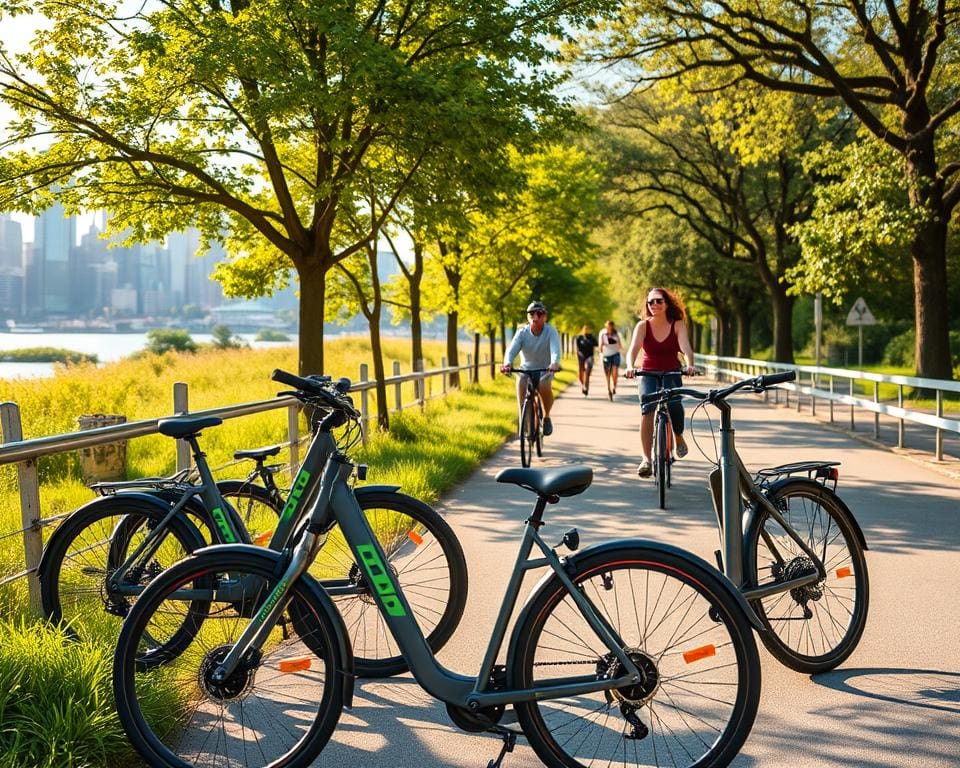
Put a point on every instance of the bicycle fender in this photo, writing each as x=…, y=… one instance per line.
x=279, y=561
x=572, y=566
x=813, y=484
x=360, y=490
x=134, y=501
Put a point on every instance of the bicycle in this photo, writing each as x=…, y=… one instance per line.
x=662, y=460
x=531, y=416
x=99, y=560
x=789, y=544
x=629, y=649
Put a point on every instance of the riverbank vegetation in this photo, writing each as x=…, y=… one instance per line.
x=45, y=355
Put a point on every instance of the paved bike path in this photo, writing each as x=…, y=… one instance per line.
x=894, y=704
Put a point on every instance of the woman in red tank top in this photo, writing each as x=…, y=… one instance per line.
x=661, y=335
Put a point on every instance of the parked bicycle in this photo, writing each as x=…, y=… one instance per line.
x=629, y=652
x=789, y=543
x=98, y=561
x=663, y=442
x=531, y=416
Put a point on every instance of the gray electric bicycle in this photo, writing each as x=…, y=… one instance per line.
x=102, y=556
x=629, y=653
x=789, y=543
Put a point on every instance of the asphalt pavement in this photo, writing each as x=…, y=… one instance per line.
x=895, y=703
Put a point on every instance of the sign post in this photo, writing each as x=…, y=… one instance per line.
x=860, y=315
x=818, y=325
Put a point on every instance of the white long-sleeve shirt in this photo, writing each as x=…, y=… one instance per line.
x=535, y=351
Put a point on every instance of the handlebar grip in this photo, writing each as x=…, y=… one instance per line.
x=291, y=380
x=769, y=379
x=343, y=385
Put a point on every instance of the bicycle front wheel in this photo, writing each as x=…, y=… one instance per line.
x=426, y=557
x=538, y=431
x=682, y=627
x=662, y=461
x=815, y=627
x=278, y=708
x=527, y=432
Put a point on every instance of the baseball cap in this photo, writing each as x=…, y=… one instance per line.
x=536, y=306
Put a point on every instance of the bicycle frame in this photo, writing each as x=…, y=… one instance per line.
x=335, y=503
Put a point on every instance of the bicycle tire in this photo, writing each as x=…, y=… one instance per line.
x=82, y=552
x=256, y=507
x=278, y=709
x=685, y=629
x=662, y=460
x=538, y=432
x=814, y=628
x=426, y=557
x=526, y=433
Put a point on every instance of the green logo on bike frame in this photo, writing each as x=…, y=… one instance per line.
x=277, y=593
x=220, y=518
x=299, y=485
x=377, y=572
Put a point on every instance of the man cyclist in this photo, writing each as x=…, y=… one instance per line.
x=538, y=345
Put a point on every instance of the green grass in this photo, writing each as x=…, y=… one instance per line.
x=46, y=355
x=55, y=696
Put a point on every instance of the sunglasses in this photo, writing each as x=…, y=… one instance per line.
x=653, y=302
x=537, y=312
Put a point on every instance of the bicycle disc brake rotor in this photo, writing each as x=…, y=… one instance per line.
x=359, y=580
x=234, y=687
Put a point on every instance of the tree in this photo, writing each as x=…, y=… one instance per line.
x=163, y=340
x=223, y=337
x=253, y=119
x=894, y=66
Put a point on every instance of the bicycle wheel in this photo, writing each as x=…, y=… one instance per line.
x=257, y=509
x=527, y=432
x=538, y=430
x=424, y=554
x=812, y=628
x=87, y=547
x=277, y=709
x=684, y=629
x=661, y=467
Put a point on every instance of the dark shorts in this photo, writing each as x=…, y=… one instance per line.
x=649, y=385
x=613, y=361
x=586, y=361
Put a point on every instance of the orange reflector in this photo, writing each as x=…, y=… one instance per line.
x=415, y=537
x=844, y=572
x=703, y=652
x=294, y=665
x=263, y=538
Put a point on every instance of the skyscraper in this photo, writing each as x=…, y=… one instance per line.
x=55, y=237
x=11, y=267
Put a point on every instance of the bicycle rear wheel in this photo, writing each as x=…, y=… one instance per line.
x=661, y=468
x=680, y=624
x=426, y=557
x=257, y=509
x=816, y=627
x=527, y=432
x=278, y=708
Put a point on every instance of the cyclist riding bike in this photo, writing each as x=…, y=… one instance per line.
x=538, y=344
x=662, y=336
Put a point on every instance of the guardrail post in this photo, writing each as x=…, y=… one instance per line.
x=397, y=393
x=831, y=398
x=901, y=434
x=293, y=436
x=853, y=427
x=29, y=504
x=813, y=393
x=418, y=387
x=876, y=414
x=470, y=376
x=443, y=364
x=181, y=406
x=939, y=437
x=364, y=404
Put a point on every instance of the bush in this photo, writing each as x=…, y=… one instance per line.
x=900, y=349
x=163, y=340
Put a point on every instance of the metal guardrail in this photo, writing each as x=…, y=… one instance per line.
x=813, y=388
x=24, y=453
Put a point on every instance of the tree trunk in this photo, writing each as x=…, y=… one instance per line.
x=416, y=323
x=453, y=355
x=493, y=354
x=379, y=371
x=782, y=306
x=742, y=311
x=312, y=297
x=476, y=359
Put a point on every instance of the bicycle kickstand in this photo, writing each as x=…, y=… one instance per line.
x=509, y=741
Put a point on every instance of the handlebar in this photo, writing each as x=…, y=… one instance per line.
x=332, y=393
x=754, y=384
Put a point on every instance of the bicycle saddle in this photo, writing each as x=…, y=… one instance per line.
x=184, y=426
x=258, y=454
x=561, y=481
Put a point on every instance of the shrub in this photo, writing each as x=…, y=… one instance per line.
x=162, y=340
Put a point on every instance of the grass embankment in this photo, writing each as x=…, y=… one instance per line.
x=46, y=355
x=62, y=710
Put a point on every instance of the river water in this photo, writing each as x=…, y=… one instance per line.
x=108, y=347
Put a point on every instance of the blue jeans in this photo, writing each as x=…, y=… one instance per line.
x=648, y=385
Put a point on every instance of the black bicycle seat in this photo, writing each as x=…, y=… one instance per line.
x=184, y=426
x=258, y=454
x=560, y=481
